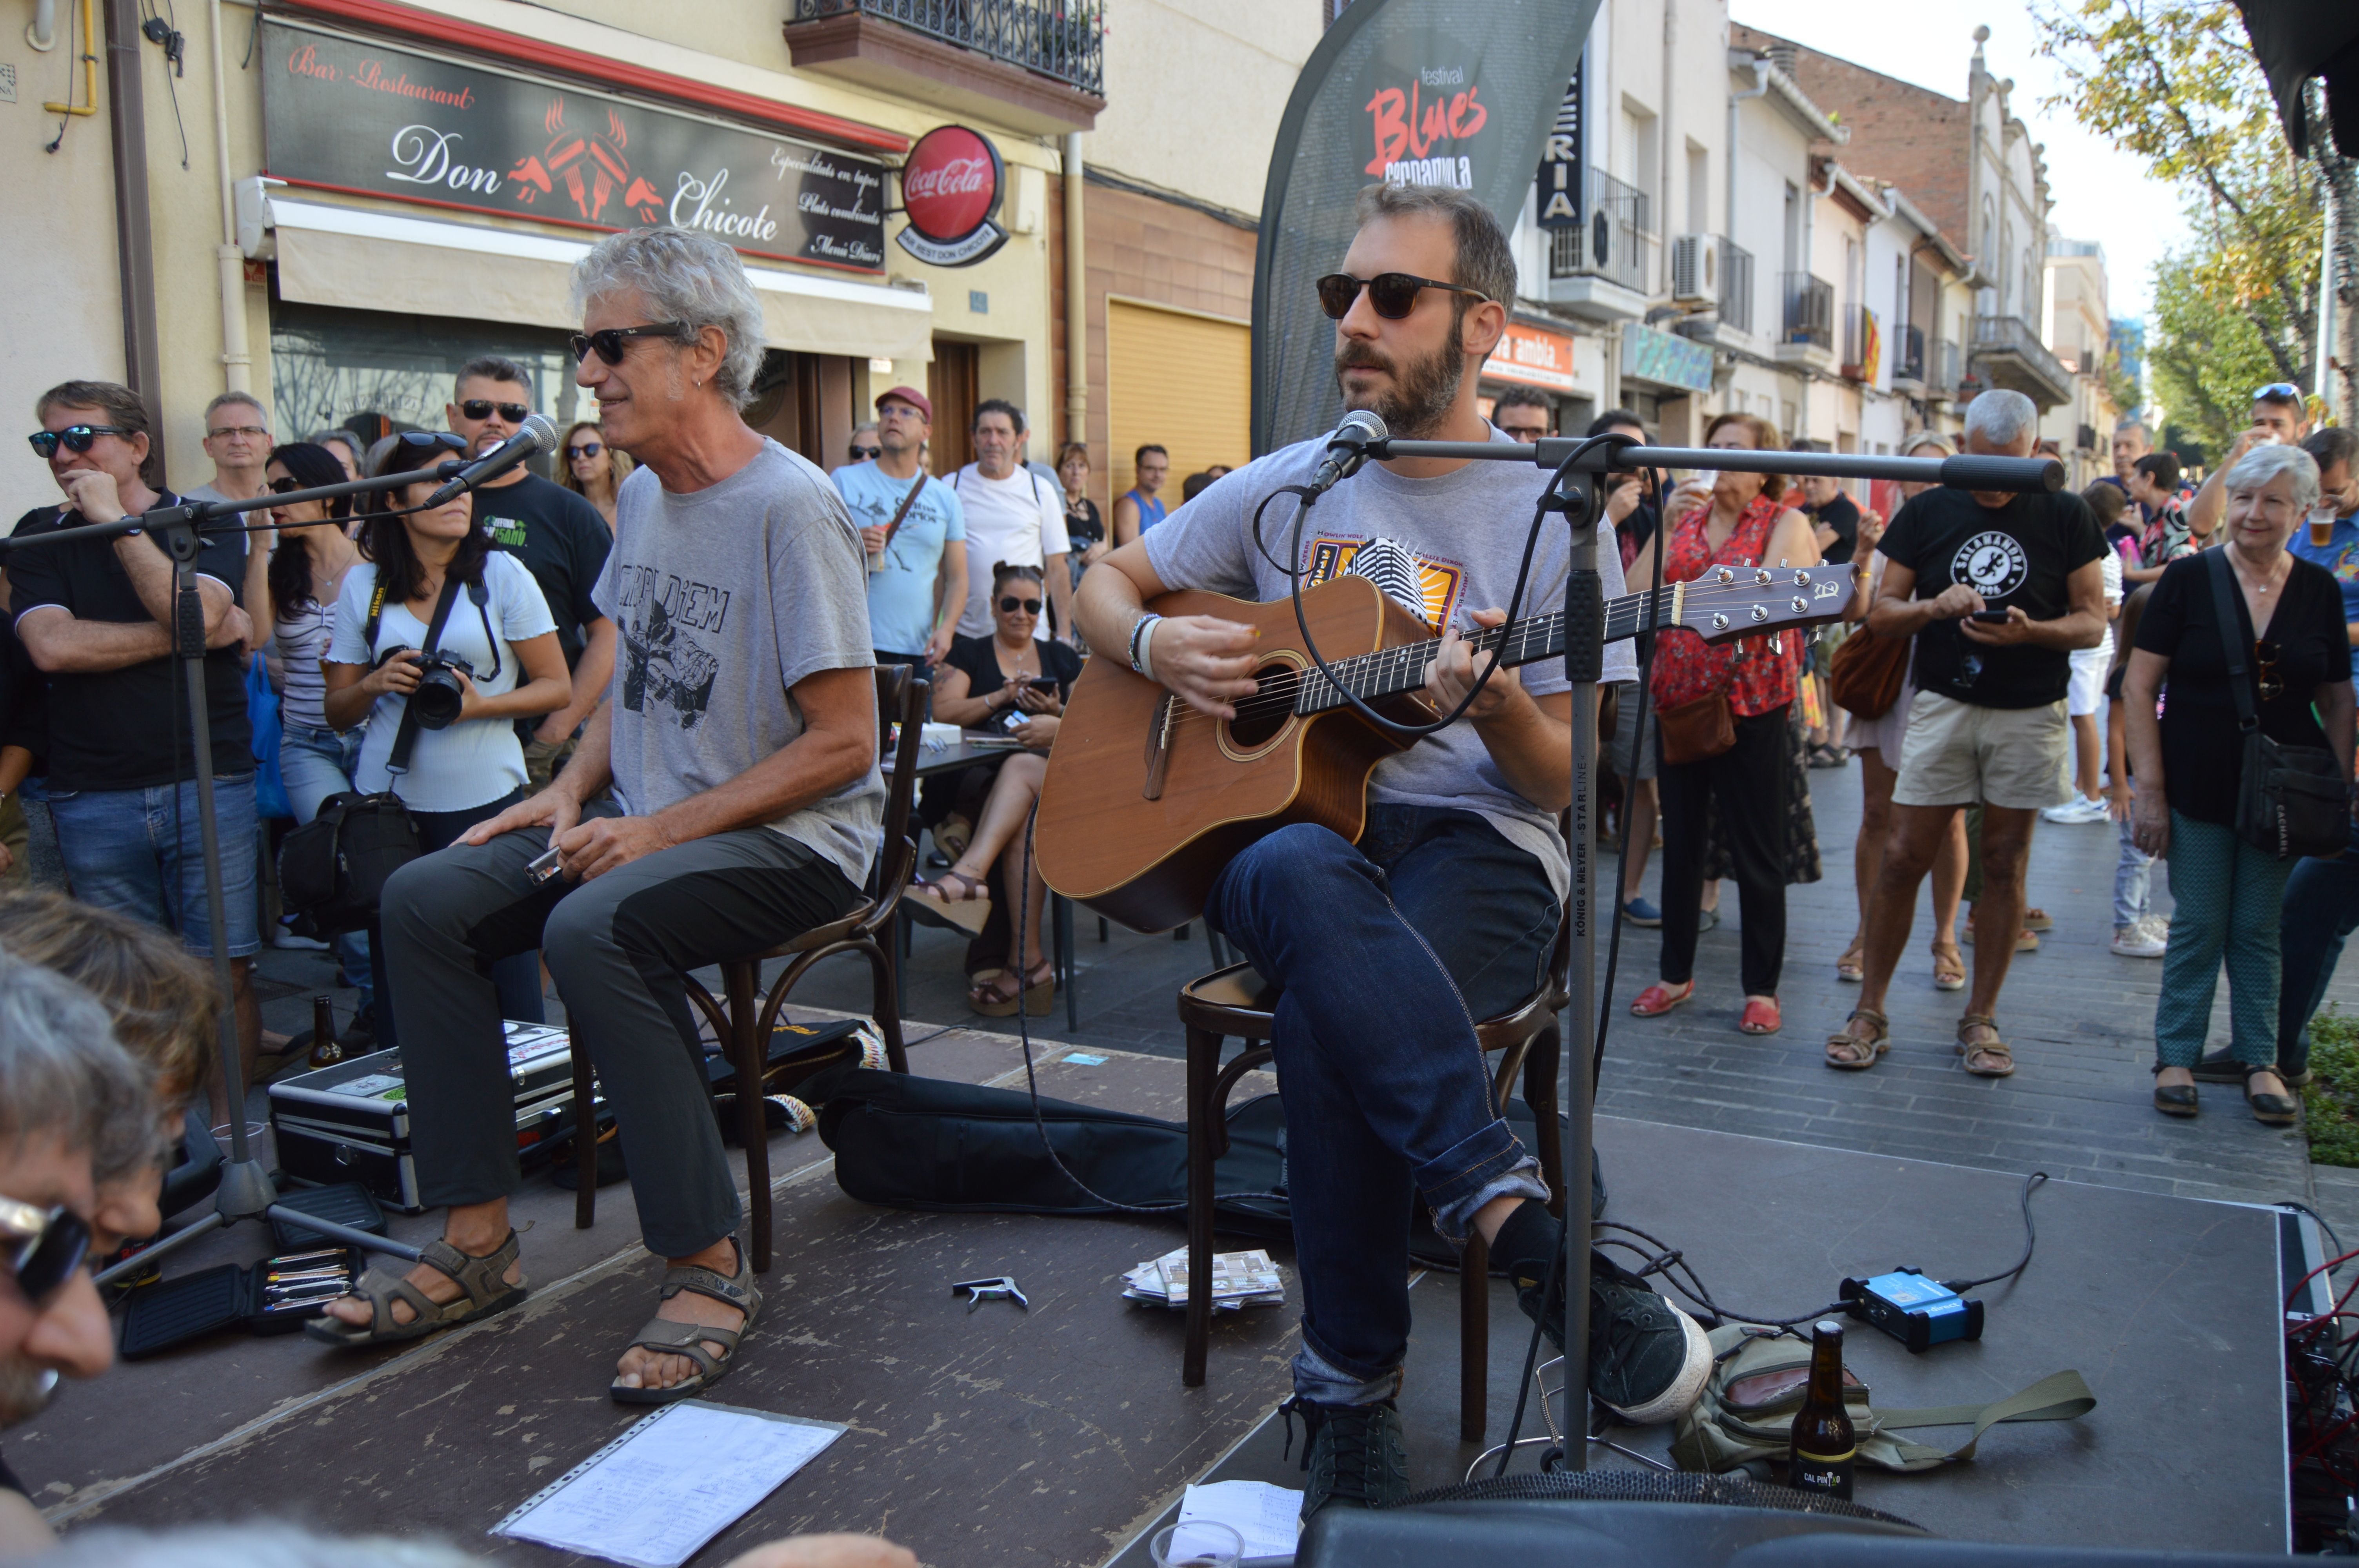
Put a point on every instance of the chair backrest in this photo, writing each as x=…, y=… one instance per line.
x=900, y=700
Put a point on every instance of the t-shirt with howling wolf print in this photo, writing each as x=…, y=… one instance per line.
x=724, y=598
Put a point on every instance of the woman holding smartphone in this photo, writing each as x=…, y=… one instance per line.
x=497, y=646
x=1016, y=681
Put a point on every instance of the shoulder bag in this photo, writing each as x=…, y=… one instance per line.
x=1698, y=729
x=333, y=869
x=2290, y=800
x=1866, y=674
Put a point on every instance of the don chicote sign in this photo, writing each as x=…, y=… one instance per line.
x=343, y=113
x=950, y=187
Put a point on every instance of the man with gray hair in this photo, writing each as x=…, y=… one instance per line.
x=1998, y=589
x=73, y=1105
x=740, y=741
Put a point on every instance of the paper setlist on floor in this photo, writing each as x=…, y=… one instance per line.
x=652, y=1497
x=1266, y=1517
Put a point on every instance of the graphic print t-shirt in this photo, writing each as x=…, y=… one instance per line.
x=1463, y=533
x=725, y=598
x=2019, y=554
x=560, y=540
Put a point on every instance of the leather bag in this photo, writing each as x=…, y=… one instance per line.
x=1867, y=672
x=2291, y=801
x=1697, y=730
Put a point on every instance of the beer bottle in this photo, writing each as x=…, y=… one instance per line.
x=1824, y=1447
x=325, y=1052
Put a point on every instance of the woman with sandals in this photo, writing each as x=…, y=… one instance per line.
x=1016, y=683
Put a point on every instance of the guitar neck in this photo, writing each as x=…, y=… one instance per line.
x=1391, y=671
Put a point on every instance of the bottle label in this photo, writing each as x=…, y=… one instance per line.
x=1829, y=1474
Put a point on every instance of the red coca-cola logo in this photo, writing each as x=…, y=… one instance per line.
x=950, y=182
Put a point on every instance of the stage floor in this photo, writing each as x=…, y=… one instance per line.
x=1057, y=1436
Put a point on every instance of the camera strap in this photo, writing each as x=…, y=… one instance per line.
x=405, y=735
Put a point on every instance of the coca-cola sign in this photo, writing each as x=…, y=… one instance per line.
x=950, y=187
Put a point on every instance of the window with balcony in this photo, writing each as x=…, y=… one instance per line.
x=1039, y=65
x=1613, y=238
x=1908, y=355
x=1735, y=287
x=1809, y=309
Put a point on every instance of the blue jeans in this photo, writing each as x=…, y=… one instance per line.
x=1388, y=952
x=121, y=852
x=2132, y=881
x=2321, y=911
x=315, y=764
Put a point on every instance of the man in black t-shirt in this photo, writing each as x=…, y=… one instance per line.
x=1987, y=725
x=93, y=615
x=558, y=535
x=1835, y=517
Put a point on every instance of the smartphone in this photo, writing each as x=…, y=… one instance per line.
x=543, y=866
x=1987, y=615
x=1042, y=683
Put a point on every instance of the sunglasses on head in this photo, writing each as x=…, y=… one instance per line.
x=586, y=449
x=608, y=342
x=2272, y=684
x=1009, y=604
x=481, y=408
x=859, y=452
x=42, y=1247
x=2277, y=392
x=74, y=438
x=1393, y=293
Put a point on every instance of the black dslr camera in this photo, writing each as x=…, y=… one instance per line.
x=439, y=693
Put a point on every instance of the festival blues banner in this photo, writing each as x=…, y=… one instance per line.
x=1453, y=92
x=371, y=118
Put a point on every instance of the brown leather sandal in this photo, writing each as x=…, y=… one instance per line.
x=482, y=1292
x=955, y=899
x=675, y=1338
x=1037, y=998
x=1852, y=1053
x=1984, y=1058
x=1850, y=963
x=1948, y=967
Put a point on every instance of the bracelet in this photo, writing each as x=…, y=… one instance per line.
x=1140, y=635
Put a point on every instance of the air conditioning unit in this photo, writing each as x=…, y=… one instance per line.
x=1696, y=262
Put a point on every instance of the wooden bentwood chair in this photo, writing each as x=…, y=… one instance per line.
x=743, y=1028
x=1237, y=1002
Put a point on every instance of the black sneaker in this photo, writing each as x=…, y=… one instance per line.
x=1648, y=1361
x=2222, y=1067
x=1353, y=1453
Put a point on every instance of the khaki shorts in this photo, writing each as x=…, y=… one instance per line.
x=1959, y=754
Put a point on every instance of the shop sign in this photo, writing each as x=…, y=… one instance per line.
x=359, y=115
x=1533, y=357
x=950, y=184
x=1559, y=179
x=1664, y=358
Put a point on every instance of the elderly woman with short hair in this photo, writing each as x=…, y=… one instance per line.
x=2189, y=763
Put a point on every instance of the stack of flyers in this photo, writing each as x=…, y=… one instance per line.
x=1239, y=1279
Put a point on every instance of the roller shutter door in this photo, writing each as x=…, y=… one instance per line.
x=1182, y=382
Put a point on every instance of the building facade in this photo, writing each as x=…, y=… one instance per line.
x=2080, y=333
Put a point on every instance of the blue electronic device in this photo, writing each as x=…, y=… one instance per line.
x=1916, y=1311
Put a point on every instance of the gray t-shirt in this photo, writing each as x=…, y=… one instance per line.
x=725, y=598
x=1466, y=531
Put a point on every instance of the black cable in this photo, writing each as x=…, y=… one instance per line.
x=2030, y=1238
x=2305, y=1208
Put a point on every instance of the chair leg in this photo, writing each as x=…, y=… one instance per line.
x=1203, y=1069
x=741, y=978
x=1062, y=908
x=1105, y=932
x=1539, y=1092
x=1220, y=949
x=888, y=976
x=1474, y=1338
x=585, y=1142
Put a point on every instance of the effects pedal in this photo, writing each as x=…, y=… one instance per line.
x=1916, y=1311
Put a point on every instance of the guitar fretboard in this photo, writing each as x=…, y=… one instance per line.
x=1391, y=671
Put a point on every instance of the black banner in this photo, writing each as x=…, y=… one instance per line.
x=1451, y=93
x=355, y=114
x=1561, y=165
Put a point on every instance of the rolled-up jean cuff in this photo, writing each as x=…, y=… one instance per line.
x=1481, y=1167
x=1322, y=1382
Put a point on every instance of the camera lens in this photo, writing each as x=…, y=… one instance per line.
x=437, y=698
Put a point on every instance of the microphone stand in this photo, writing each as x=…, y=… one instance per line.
x=1582, y=502
x=245, y=1190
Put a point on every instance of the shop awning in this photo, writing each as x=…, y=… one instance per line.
x=368, y=260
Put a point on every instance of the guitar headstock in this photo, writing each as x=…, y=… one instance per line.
x=1728, y=602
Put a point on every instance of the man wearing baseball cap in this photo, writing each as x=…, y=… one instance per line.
x=908, y=519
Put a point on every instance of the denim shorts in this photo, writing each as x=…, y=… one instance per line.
x=121, y=852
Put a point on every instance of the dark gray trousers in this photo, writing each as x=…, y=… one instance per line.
x=617, y=946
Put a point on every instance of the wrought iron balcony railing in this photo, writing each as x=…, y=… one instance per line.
x=1809, y=309
x=1614, y=238
x=1063, y=41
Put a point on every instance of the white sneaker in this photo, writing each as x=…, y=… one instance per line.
x=2158, y=925
x=2137, y=942
x=2080, y=809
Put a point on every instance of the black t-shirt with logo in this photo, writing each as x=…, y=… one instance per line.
x=1841, y=514
x=2020, y=554
x=115, y=729
x=561, y=541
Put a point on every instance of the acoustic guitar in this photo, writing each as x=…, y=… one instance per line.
x=1146, y=799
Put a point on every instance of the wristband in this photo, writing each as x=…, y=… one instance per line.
x=1140, y=635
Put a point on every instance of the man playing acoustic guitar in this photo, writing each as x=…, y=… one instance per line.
x=1446, y=910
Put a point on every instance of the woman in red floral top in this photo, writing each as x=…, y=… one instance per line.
x=1736, y=520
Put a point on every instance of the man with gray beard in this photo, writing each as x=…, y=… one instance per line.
x=71, y=1100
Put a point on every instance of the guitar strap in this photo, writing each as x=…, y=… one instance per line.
x=903, y=510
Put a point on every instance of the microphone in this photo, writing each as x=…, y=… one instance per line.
x=537, y=436
x=1347, y=449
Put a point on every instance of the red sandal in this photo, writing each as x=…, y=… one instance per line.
x=1761, y=1016
x=1659, y=999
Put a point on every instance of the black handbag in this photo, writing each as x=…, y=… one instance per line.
x=333, y=869
x=2291, y=801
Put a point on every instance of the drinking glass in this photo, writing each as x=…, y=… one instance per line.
x=2321, y=525
x=1201, y=1544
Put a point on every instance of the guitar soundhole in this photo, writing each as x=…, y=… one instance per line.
x=1262, y=716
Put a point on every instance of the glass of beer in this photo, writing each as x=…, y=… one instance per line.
x=2321, y=525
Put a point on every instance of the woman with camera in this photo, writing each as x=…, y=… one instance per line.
x=1011, y=681
x=494, y=660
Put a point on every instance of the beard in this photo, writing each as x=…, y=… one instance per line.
x=24, y=1390
x=1421, y=393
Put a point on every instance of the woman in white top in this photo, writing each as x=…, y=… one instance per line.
x=499, y=623
x=307, y=569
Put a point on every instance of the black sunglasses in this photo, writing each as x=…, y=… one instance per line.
x=481, y=408
x=43, y=1246
x=73, y=438
x=2272, y=684
x=609, y=343
x=1009, y=604
x=1394, y=294
x=858, y=452
x=586, y=449
x=285, y=486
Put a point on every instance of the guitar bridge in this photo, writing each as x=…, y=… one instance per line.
x=1159, y=746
